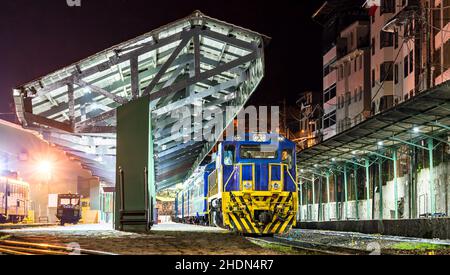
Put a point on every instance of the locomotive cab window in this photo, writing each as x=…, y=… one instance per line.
x=258, y=151
x=229, y=155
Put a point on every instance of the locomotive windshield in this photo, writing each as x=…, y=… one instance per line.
x=258, y=151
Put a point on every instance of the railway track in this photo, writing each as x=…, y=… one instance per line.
x=313, y=248
x=8, y=247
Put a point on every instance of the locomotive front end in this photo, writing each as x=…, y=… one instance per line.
x=260, y=189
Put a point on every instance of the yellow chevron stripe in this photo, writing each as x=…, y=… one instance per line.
x=239, y=228
x=283, y=228
x=274, y=229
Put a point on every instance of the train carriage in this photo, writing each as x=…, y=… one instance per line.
x=14, y=199
x=250, y=187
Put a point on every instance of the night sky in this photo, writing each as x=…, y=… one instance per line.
x=38, y=37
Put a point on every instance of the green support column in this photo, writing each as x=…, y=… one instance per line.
x=336, y=196
x=394, y=159
x=134, y=165
x=432, y=205
x=328, y=195
x=355, y=185
x=380, y=185
x=366, y=164
x=313, y=197
x=345, y=191
x=300, y=198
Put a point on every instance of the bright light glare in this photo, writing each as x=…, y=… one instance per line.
x=380, y=143
x=333, y=159
x=45, y=168
x=416, y=129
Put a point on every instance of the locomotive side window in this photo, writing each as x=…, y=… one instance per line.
x=229, y=155
x=258, y=152
x=286, y=158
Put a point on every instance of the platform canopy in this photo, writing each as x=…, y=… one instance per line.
x=195, y=61
x=426, y=115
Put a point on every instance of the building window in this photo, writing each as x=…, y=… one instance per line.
x=329, y=93
x=396, y=73
x=360, y=93
x=373, y=78
x=329, y=119
x=373, y=45
x=349, y=98
x=386, y=71
x=360, y=61
x=355, y=95
x=356, y=64
x=386, y=39
x=411, y=61
x=446, y=54
x=387, y=6
x=405, y=67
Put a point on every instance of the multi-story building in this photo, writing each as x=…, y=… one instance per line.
x=372, y=63
x=335, y=16
x=440, y=30
x=353, y=76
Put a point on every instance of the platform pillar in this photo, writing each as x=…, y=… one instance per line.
x=328, y=196
x=394, y=159
x=135, y=182
x=380, y=186
x=432, y=205
x=368, y=210
x=313, y=197
x=300, y=190
x=345, y=191
x=355, y=184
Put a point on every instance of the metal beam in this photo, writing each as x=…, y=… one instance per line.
x=186, y=37
x=101, y=91
x=205, y=75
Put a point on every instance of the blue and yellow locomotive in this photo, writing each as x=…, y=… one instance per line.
x=250, y=187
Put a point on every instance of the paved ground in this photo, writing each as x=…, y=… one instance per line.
x=168, y=238
x=376, y=243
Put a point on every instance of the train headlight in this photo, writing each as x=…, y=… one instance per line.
x=280, y=138
x=248, y=186
x=276, y=186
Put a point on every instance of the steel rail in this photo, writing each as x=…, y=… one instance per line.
x=51, y=249
x=308, y=246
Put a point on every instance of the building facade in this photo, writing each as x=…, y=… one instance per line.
x=375, y=64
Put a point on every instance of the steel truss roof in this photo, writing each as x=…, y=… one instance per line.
x=194, y=61
x=429, y=111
